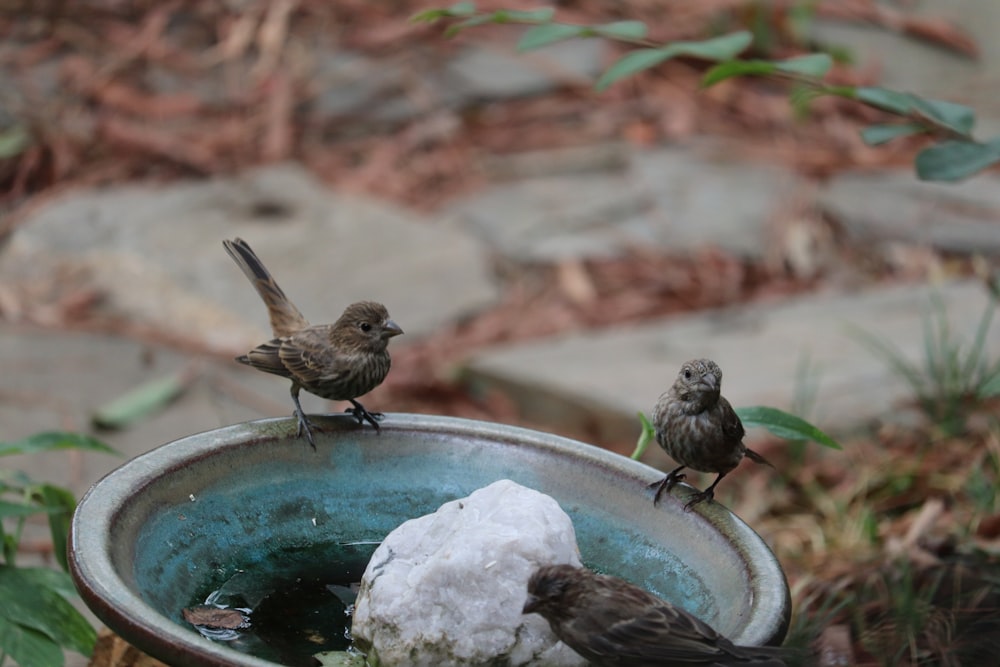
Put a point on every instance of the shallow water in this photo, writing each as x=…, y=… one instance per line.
x=298, y=613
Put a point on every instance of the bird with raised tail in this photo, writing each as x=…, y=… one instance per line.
x=338, y=362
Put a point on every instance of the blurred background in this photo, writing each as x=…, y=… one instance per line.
x=553, y=253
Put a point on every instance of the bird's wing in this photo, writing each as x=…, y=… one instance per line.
x=306, y=356
x=267, y=357
x=636, y=628
x=310, y=358
x=664, y=635
x=732, y=427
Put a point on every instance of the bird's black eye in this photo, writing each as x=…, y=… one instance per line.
x=687, y=373
x=366, y=327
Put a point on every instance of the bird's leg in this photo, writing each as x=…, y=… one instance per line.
x=707, y=494
x=667, y=482
x=362, y=415
x=301, y=417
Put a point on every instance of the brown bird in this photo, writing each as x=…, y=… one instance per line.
x=609, y=621
x=698, y=427
x=338, y=361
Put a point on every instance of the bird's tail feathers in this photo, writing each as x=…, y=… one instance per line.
x=285, y=317
x=757, y=458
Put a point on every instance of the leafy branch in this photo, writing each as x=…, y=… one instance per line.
x=956, y=155
x=37, y=621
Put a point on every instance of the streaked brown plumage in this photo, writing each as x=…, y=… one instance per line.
x=698, y=428
x=338, y=361
x=609, y=621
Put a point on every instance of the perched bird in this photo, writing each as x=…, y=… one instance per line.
x=338, y=361
x=609, y=621
x=699, y=428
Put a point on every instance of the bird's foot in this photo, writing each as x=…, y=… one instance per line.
x=699, y=497
x=362, y=415
x=666, y=484
x=304, y=427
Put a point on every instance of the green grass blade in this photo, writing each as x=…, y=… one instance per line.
x=647, y=436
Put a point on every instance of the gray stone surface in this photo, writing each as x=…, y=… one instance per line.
x=447, y=589
x=386, y=90
x=677, y=199
x=603, y=378
x=488, y=71
x=553, y=218
x=157, y=253
x=960, y=217
x=703, y=196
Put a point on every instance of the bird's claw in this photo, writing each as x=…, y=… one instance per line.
x=362, y=415
x=665, y=484
x=699, y=497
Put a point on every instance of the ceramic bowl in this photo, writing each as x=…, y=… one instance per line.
x=157, y=534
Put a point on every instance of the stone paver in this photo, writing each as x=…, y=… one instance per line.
x=675, y=199
x=487, y=71
x=894, y=206
x=601, y=379
x=157, y=254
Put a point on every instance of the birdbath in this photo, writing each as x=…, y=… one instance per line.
x=164, y=530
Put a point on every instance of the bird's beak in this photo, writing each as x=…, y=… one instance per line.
x=530, y=605
x=390, y=329
x=708, y=382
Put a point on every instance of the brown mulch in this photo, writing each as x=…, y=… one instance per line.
x=107, y=122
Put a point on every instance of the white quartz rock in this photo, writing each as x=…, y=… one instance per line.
x=448, y=588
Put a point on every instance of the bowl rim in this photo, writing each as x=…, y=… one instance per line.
x=113, y=601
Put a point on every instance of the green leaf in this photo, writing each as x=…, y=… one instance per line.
x=630, y=64
x=784, y=425
x=955, y=160
x=28, y=647
x=482, y=19
x=8, y=509
x=140, y=401
x=719, y=48
x=647, y=436
x=30, y=602
x=626, y=30
x=9, y=544
x=458, y=10
x=880, y=134
x=14, y=141
x=54, y=440
x=883, y=98
x=815, y=65
x=519, y=16
x=956, y=117
x=547, y=33
x=733, y=68
x=59, y=521
x=56, y=580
